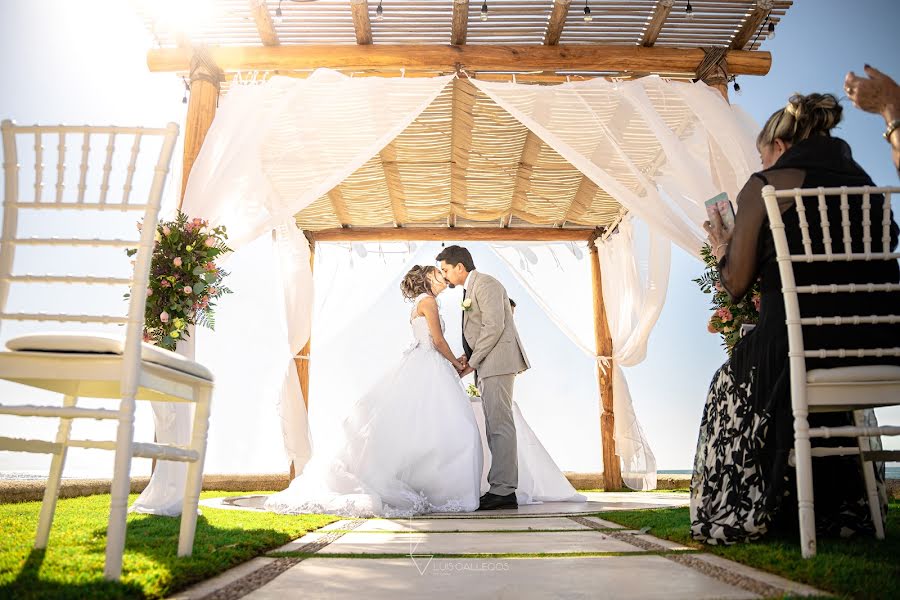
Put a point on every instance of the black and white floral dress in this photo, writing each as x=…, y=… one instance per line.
x=742, y=485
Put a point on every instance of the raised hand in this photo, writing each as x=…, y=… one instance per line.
x=874, y=93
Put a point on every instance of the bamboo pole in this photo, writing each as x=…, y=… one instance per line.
x=303, y=359
x=440, y=234
x=612, y=472
x=205, y=80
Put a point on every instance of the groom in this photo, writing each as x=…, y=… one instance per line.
x=495, y=354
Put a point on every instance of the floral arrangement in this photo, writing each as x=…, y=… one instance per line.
x=466, y=304
x=727, y=316
x=472, y=391
x=184, y=279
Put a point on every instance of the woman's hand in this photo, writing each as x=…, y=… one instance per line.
x=719, y=237
x=876, y=94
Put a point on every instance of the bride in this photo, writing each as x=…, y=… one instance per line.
x=412, y=444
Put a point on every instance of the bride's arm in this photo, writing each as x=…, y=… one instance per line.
x=428, y=308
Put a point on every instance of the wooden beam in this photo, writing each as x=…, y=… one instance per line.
x=520, y=77
x=581, y=202
x=557, y=22
x=448, y=58
x=339, y=205
x=460, y=22
x=751, y=25
x=612, y=471
x=394, y=184
x=660, y=14
x=361, y=24
x=303, y=359
x=460, y=144
x=205, y=80
x=471, y=234
x=264, y=24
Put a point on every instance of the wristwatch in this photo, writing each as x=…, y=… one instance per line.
x=892, y=126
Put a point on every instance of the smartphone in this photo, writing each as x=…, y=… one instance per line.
x=722, y=205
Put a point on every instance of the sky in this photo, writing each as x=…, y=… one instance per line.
x=84, y=62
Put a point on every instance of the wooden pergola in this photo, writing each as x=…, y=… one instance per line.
x=466, y=170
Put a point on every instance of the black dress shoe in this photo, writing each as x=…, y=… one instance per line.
x=496, y=502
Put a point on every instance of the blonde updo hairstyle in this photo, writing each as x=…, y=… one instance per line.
x=416, y=282
x=802, y=117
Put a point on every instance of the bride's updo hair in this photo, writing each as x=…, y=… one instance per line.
x=416, y=282
x=801, y=118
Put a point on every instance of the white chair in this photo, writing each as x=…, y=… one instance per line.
x=96, y=366
x=846, y=388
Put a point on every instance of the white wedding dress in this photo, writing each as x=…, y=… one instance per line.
x=413, y=445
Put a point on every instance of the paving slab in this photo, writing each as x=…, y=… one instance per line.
x=222, y=580
x=472, y=525
x=477, y=543
x=646, y=577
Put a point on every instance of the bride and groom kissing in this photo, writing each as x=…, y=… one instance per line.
x=411, y=444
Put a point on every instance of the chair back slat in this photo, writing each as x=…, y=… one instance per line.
x=886, y=223
x=845, y=221
x=826, y=226
x=804, y=230
x=107, y=166
x=85, y=152
x=38, y=167
x=61, y=167
x=867, y=223
x=135, y=149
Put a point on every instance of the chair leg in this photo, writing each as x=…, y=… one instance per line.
x=807, y=516
x=868, y=469
x=121, y=485
x=51, y=492
x=195, y=473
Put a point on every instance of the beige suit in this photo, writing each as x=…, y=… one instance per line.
x=497, y=356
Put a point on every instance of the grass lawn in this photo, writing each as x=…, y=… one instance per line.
x=853, y=568
x=72, y=565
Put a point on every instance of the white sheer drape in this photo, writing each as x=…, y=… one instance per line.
x=659, y=148
x=635, y=266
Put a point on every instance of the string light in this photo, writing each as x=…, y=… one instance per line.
x=187, y=88
x=737, y=86
x=278, y=13
x=689, y=11
x=587, y=12
x=379, y=12
x=484, y=11
x=771, y=34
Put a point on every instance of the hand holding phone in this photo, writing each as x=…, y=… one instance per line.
x=719, y=205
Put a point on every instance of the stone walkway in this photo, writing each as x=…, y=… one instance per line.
x=551, y=550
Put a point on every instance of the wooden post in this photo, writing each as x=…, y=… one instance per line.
x=303, y=359
x=612, y=471
x=205, y=80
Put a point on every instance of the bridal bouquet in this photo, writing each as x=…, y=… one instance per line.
x=727, y=316
x=184, y=279
x=472, y=391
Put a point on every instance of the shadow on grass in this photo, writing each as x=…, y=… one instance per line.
x=151, y=566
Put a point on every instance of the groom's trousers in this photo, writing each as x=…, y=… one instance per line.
x=496, y=399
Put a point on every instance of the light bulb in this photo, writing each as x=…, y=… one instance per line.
x=689, y=11
x=737, y=87
x=379, y=12
x=587, y=14
x=484, y=11
x=771, y=34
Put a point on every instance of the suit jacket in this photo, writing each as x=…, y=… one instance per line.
x=490, y=331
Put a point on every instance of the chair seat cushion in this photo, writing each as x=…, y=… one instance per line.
x=865, y=374
x=98, y=343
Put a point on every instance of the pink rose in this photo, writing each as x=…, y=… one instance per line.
x=187, y=289
x=756, y=302
x=212, y=290
x=166, y=230
x=711, y=327
x=719, y=287
x=149, y=292
x=209, y=242
x=724, y=314
x=165, y=283
x=177, y=261
x=210, y=266
x=164, y=317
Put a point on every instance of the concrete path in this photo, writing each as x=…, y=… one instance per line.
x=551, y=550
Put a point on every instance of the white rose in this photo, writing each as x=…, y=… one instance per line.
x=467, y=303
